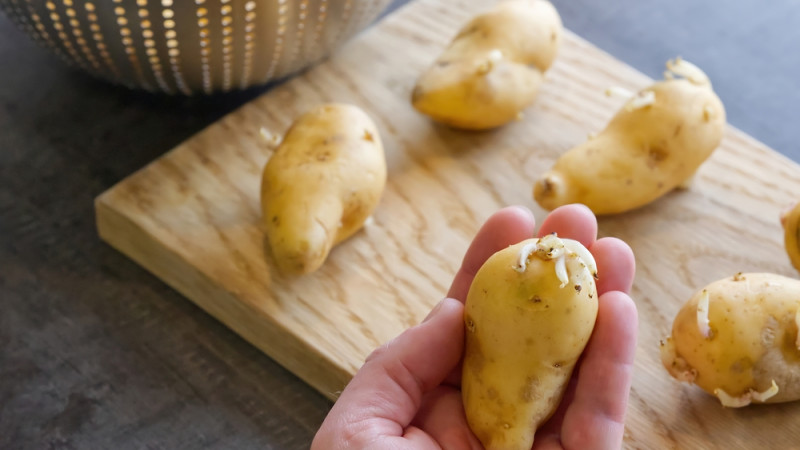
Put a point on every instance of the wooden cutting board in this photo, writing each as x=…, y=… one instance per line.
x=192, y=218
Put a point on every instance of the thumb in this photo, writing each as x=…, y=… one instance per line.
x=386, y=393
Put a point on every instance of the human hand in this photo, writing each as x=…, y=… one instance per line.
x=407, y=394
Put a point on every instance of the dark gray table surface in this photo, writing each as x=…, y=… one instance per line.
x=97, y=353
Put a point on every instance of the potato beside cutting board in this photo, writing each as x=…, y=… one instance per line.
x=193, y=218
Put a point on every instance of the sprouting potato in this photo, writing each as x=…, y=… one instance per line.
x=654, y=144
x=321, y=184
x=493, y=68
x=529, y=313
x=791, y=238
x=738, y=339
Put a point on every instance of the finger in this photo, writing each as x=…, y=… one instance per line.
x=616, y=265
x=596, y=416
x=442, y=417
x=385, y=394
x=574, y=221
x=505, y=227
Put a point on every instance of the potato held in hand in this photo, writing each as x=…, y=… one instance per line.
x=791, y=238
x=321, y=184
x=738, y=339
x=529, y=313
x=492, y=70
x=653, y=145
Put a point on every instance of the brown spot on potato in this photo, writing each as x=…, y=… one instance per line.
x=470, y=324
x=529, y=391
x=553, y=36
x=557, y=364
x=323, y=156
x=655, y=155
x=738, y=277
x=707, y=112
x=276, y=221
x=578, y=288
x=536, y=299
x=677, y=130
x=368, y=136
x=547, y=186
x=741, y=365
x=475, y=358
x=491, y=393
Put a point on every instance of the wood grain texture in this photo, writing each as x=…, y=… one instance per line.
x=192, y=218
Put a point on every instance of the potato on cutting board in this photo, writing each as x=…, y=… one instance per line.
x=321, y=184
x=493, y=68
x=737, y=339
x=654, y=144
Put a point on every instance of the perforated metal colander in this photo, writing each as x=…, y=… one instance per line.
x=188, y=46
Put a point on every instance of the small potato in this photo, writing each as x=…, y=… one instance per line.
x=321, y=184
x=653, y=145
x=791, y=238
x=492, y=70
x=529, y=313
x=738, y=339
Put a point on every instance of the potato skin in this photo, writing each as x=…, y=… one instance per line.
x=753, y=338
x=524, y=336
x=321, y=184
x=791, y=236
x=468, y=87
x=642, y=154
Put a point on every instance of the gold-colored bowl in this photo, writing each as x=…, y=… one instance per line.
x=190, y=46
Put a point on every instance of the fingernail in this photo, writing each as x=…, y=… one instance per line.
x=434, y=311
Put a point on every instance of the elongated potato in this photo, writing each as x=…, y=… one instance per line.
x=529, y=314
x=738, y=339
x=654, y=144
x=791, y=237
x=321, y=184
x=492, y=70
